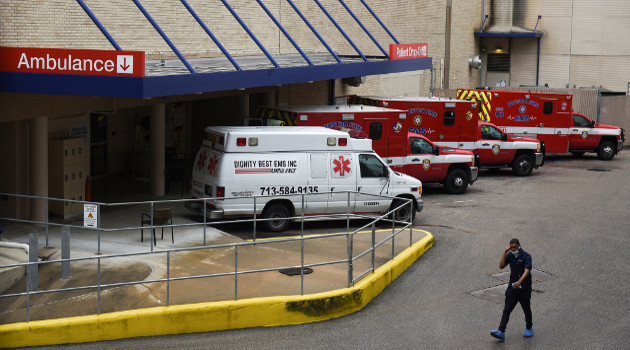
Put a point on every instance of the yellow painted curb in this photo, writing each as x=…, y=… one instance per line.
x=213, y=316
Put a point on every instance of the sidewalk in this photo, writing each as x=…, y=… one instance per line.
x=139, y=268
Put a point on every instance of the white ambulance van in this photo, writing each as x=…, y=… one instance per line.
x=279, y=164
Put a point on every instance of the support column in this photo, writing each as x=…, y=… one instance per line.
x=270, y=98
x=243, y=108
x=158, y=144
x=38, y=166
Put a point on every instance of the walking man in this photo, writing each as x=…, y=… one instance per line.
x=519, y=290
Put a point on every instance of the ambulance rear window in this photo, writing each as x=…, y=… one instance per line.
x=449, y=118
x=548, y=107
x=376, y=131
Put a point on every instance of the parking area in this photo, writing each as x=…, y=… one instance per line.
x=571, y=215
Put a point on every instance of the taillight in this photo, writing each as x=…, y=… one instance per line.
x=220, y=192
x=241, y=141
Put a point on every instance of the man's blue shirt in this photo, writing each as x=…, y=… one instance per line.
x=518, y=266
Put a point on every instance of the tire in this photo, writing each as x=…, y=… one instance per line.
x=276, y=212
x=577, y=153
x=523, y=165
x=456, y=181
x=403, y=214
x=606, y=150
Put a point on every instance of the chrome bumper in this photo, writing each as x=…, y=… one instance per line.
x=539, y=159
x=474, y=174
x=619, y=145
x=211, y=213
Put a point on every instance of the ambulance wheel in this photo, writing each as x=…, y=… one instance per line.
x=456, y=181
x=523, y=165
x=405, y=213
x=278, y=213
x=606, y=150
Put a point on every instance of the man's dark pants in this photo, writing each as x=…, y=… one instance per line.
x=512, y=297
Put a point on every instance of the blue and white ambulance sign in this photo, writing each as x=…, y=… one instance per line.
x=90, y=216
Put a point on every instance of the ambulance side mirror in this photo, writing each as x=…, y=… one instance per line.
x=504, y=137
x=592, y=124
x=436, y=151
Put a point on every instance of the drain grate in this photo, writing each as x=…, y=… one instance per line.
x=494, y=294
x=295, y=271
x=600, y=170
x=537, y=276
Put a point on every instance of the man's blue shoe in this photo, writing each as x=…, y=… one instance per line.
x=498, y=334
x=529, y=332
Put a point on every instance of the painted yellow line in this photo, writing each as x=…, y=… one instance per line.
x=206, y=317
x=320, y=234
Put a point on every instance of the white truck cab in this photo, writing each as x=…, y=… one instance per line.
x=333, y=172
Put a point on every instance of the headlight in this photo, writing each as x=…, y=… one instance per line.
x=538, y=147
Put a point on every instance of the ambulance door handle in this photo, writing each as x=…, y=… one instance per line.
x=485, y=144
x=415, y=160
x=332, y=189
x=575, y=129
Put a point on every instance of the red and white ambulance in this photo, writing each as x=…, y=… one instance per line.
x=549, y=118
x=452, y=123
x=404, y=151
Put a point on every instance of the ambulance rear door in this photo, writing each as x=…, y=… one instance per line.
x=377, y=130
x=555, y=120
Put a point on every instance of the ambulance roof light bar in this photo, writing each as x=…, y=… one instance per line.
x=332, y=141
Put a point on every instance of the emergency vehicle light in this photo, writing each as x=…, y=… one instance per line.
x=527, y=97
x=402, y=116
x=241, y=141
x=343, y=141
x=303, y=117
x=220, y=192
x=331, y=141
x=214, y=138
x=449, y=105
x=253, y=141
x=347, y=117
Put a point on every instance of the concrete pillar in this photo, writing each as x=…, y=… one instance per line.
x=270, y=98
x=158, y=146
x=243, y=107
x=38, y=166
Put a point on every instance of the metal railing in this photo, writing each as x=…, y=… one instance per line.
x=397, y=227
